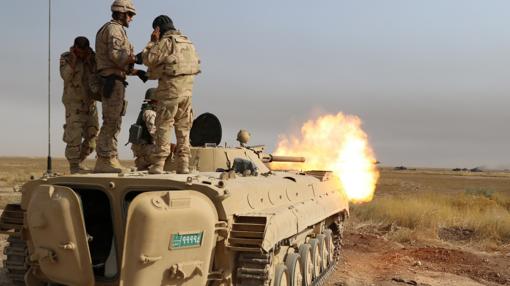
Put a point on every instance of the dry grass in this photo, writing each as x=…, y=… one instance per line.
x=475, y=216
x=416, y=207
x=17, y=170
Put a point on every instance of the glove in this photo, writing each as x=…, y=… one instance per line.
x=138, y=59
x=141, y=74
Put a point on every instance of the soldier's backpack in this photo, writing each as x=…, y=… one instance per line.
x=184, y=59
x=138, y=132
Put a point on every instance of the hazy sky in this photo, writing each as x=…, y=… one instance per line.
x=429, y=79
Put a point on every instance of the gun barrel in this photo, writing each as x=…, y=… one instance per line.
x=291, y=159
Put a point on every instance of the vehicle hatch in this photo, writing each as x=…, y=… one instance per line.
x=57, y=230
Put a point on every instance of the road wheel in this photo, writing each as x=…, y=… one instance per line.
x=306, y=264
x=293, y=263
x=316, y=257
x=281, y=275
x=323, y=252
x=330, y=246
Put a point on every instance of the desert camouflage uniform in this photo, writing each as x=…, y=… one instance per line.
x=112, y=54
x=81, y=127
x=173, y=95
x=143, y=152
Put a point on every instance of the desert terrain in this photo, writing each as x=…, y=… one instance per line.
x=424, y=226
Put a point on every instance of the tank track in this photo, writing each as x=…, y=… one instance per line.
x=16, y=262
x=254, y=268
x=337, y=229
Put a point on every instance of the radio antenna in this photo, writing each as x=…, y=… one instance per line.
x=48, y=165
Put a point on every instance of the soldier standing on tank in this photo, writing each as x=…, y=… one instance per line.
x=143, y=149
x=115, y=59
x=80, y=130
x=171, y=58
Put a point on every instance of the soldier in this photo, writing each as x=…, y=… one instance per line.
x=115, y=58
x=171, y=58
x=144, y=146
x=80, y=130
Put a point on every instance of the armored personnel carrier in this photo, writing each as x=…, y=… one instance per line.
x=232, y=221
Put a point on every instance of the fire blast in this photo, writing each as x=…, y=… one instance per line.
x=336, y=143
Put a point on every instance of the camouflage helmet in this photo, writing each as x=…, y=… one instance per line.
x=123, y=6
x=150, y=94
x=243, y=136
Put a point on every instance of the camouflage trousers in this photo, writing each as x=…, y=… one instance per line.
x=114, y=107
x=80, y=130
x=172, y=113
x=142, y=153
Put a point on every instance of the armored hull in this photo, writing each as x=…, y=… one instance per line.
x=231, y=221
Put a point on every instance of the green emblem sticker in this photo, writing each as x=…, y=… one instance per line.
x=187, y=240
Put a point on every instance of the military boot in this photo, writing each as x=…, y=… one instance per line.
x=77, y=168
x=141, y=164
x=182, y=167
x=183, y=170
x=157, y=167
x=108, y=165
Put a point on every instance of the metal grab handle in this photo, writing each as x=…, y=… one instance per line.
x=42, y=253
x=185, y=270
x=148, y=259
x=67, y=246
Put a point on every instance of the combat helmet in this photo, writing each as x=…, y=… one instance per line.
x=123, y=6
x=243, y=136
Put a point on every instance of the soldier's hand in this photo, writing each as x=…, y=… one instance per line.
x=89, y=56
x=155, y=35
x=131, y=59
x=142, y=75
x=139, y=58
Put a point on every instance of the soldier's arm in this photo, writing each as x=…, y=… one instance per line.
x=118, y=53
x=153, y=57
x=66, y=69
x=149, y=117
x=155, y=54
x=91, y=62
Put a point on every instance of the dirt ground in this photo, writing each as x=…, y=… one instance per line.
x=368, y=257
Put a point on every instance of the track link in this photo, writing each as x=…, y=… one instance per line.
x=16, y=261
x=254, y=269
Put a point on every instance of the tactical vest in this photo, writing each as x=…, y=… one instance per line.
x=184, y=59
